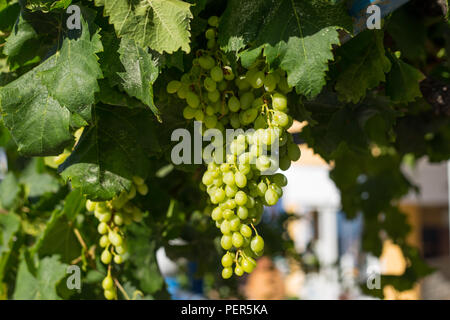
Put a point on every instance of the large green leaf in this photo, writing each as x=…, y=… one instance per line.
x=402, y=82
x=296, y=35
x=112, y=151
x=162, y=25
x=363, y=66
x=140, y=73
x=42, y=285
x=73, y=78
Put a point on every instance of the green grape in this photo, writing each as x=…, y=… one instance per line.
x=234, y=104
x=228, y=214
x=210, y=34
x=279, y=102
x=257, y=244
x=262, y=188
x=227, y=272
x=211, y=43
x=210, y=121
x=235, y=224
x=248, y=264
x=234, y=121
x=285, y=163
x=110, y=294
x=277, y=189
x=173, y=86
x=257, y=103
x=209, y=84
x=248, y=116
x=107, y=283
x=238, y=270
x=192, y=99
x=260, y=122
x=225, y=167
x=182, y=92
x=121, y=250
x=199, y=115
x=227, y=260
x=271, y=197
x=230, y=191
x=241, y=179
x=230, y=204
x=257, y=79
x=207, y=178
x=206, y=62
x=246, y=100
x=213, y=21
x=90, y=205
x=284, y=86
x=217, y=74
x=118, y=220
x=270, y=82
x=246, y=231
x=216, y=214
x=242, y=83
x=225, y=227
x=214, y=96
x=102, y=228
x=115, y=238
x=226, y=242
x=219, y=195
x=105, y=217
x=118, y=259
x=237, y=240
x=263, y=163
x=240, y=198
x=106, y=257
x=281, y=119
x=242, y=212
x=104, y=241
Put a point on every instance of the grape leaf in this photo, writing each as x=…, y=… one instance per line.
x=402, y=82
x=363, y=66
x=38, y=123
x=37, y=181
x=162, y=25
x=42, y=285
x=112, y=151
x=73, y=204
x=72, y=80
x=9, y=226
x=22, y=32
x=58, y=238
x=140, y=73
x=297, y=35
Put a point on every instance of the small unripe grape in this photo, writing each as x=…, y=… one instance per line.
x=104, y=241
x=242, y=213
x=209, y=84
x=219, y=195
x=106, y=257
x=217, y=74
x=118, y=220
x=110, y=294
x=102, y=228
x=270, y=82
x=271, y=197
x=227, y=260
x=108, y=283
x=213, y=21
x=240, y=198
x=246, y=231
x=241, y=179
x=115, y=238
x=234, y=104
x=279, y=102
x=281, y=119
x=257, y=79
x=216, y=214
x=238, y=271
x=214, y=95
x=222, y=85
x=237, y=240
x=230, y=204
x=132, y=192
x=210, y=121
x=192, y=99
x=199, y=115
x=211, y=43
x=138, y=180
x=210, y=34
x=118, y=259
x=235, y=224
x=206, y=62
x=121, y=250
x=280, y=179
x=277, y=189
x=257, y=244
x=227, y=214
x=227, y=272
x=207, y=178
x=173, y=86
x=247, y=100
x=231, y=190
x=248, y=264
x=188, y=113
x=262, y=188
x=142, y=189
x=293, y=152
x=226, y=242
x=225, y=227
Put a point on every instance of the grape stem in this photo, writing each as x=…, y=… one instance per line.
x=121, y=289
x=253, y=227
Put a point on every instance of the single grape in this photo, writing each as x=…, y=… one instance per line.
x=271, y=197
x=107, y=283
x=240, y=198
x=226, y=242
x=257, y=244
x=237, y=240
x=210, y=34
x=227, y=272
x=104, y=241
x=270, y=82
x=248, y=264
x=246, y=231
x=192, y=99
x=234, y=104
x=241, y=179
x=238, y=270
x=213, y=21
x=110, y=294
x=279, y=102
x=173, y=86
x=235, y=224
x=225, y=227
x=280, y=179
x=118, y=259
x=227, y=260
x=228, y=73
x=106, y=257
x=216, y=74
x=293, y=152
x=90, y=205
x=216, y=214
x=209, y=84
x=206, y=62
x=246, y=100
x=242, y=212
x=102, y=228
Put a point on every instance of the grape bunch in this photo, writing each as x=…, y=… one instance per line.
x=240, y=178
x=112, y=216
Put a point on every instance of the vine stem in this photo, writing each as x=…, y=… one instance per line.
x=121, y=289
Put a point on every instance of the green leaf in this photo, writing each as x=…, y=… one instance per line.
x=58, y=238
x=363, y=66
x=72, y=80
x=297, y=35
x=112, y=151
x=42, y=285
x=140, y=73
x=38, y=123
x=162, y=25
x=21, y=33
x=9, y=190
x=38, y=182
x=9, y=226
x=403, y=81
x=74, y=204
